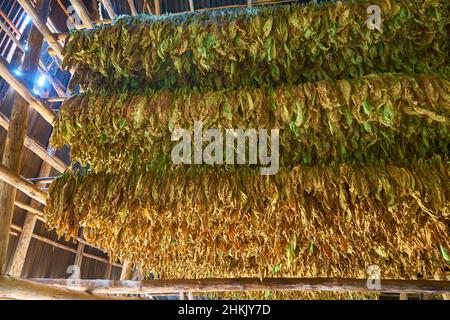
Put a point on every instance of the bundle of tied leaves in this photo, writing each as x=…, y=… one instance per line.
x=267, y=45
x=331, y=221
x=390, y=117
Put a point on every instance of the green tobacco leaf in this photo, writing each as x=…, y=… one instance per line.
x=444, y=253
x=367, y=107
x=122, y=123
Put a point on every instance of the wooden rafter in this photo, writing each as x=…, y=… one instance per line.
x=22, y=89
x=22, y=184
x=16, y=228
x=82, y=13
x=157, y=5
x=132, y=7
x=110, y=8
x=41, y=26
x=38, y=149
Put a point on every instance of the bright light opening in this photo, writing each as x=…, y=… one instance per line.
x=18, y=72
x=27, y=20
x=41, y=81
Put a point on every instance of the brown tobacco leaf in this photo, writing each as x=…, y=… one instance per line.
x=266, y=45
x=368, y=122
x=197, y=224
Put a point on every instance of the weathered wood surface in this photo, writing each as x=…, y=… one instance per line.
x=38, y=149
x=22, y=184
x=20, y=254
x=12, y=156
x=12, y=288
x=251, y=284
x=41, y=26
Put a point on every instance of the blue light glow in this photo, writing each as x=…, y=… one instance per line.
x=41, y=81
x=27, y=20
x=18, y=72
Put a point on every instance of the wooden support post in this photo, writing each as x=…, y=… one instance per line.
x=132, y=7
x=403, y=296
x=40, y=24
x=28, y=290
x=178, y=286
x=82, y=13
x=79, y=255
x=28, y=228
x=12, y=155
x=108, y=271
x=127, y=271
x=22, y=247
x=110, y=8
x=191, y=6
x=249, y=3
x=157, y=7
x=39, y=150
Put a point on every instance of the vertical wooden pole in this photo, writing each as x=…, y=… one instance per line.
x=110, y=8
x=191, y=5
x=127, y=271
x=157, y=7
x=403, y=296
x=79, y=255
x=12, y=155
x=28, y=227
x=249, y=3
x=132, y=7
x=108, y=271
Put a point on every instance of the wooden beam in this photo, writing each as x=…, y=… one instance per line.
x=63, y=7
x=22, y=246
x=22, y=89
x=41, y=26
x=132, y=7
x=56, y=99
x=22, y=184
x=191, y=6
x=127, y=271
x=108, y=271
x=12, y=156
x=56, y=84
x=82, y=13
x=250, y=284
x=9, y=22
x=27, y=290
x=249, y=3
x=157, y=7
x=79, y=255
x=39, y=150
x=31, y=209
x=110, y=8
x=62, y=246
